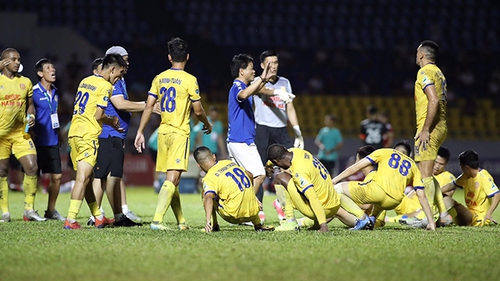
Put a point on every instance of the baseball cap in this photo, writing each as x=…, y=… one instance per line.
x=117, y=50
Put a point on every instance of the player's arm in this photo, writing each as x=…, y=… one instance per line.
x=106, y=119
x=139, y=142
x=202, y=116
x=125, y=105
x=448, y=187
x=351, y=170
x=494, y=204
x=432, y=106
x=426, y=208
x=294, y=121
x=31, y=112
x=317, y=208
x=257, y=87
x=222, y=146
x=208, y=204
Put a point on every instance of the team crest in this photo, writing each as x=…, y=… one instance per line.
x=477, y=185
x=177, y=160
x=22, y=86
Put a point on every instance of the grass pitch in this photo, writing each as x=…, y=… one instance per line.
x=45, y=251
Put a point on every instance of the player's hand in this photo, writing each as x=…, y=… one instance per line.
x=284, y=95
x=423, y=138
x=488, y=219
x=139, y=142
x=115, y=123
x=299, y=142
x=208, y=227
x=4, y=63
x=266, y=74
x=207, y=128
x=323, y=227
x=431, y=226
x=31, y=120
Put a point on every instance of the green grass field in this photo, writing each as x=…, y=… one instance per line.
x=45, y=251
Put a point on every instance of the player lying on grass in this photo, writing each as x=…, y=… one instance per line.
x=480, y=191
x=230, y=187
x=310, y=190
x=385, y=187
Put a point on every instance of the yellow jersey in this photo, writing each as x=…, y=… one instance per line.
x=395, y=171
x=232, y=188
x=444, y=178
x=478, y=191
x=93, y=91
x=428, y=75
x=308, y=172
x=14, y=94
x=176, y=89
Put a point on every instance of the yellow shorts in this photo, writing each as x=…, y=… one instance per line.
x=408, y=205
x=372, y=193
x=478, y=219
x=301, y=203
x=438, y=136
x=82, y=149
x=173, y=152
x=235, y=218
x=16, y=144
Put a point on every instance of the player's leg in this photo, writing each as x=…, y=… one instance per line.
x=51, y=164
x=281, y=181
x=464, y=216
x=4, y=185
x=352, y=195
x=262, y=141
x=30, y=185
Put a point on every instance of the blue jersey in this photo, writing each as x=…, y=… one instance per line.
x=45, y=103
x=119, y=89
x=240, y=116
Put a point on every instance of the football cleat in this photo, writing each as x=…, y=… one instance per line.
x=5, y=217
x=446, y=221
x=104, y=222
x=262, y=217
x=54, y=216
x=264, y=228
x=129, y=214
x=71, y=225
x=124, y=221
x=279, y=210
x=158, y=226
x=183, y=226
x=361, y=223
x=288, y=226
x=32, y=215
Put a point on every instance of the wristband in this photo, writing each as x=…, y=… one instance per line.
x=296, y=129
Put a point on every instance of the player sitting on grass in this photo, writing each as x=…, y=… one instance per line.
x=385, y=187
x=480, y=191
x=309, y=187
x=230, y=187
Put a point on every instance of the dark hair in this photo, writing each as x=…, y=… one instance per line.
x=113, y=59
x=267, y=53
x=469, y=158
x=238, y=62
x=276, y=152
x=96, y=63
x=406, y=145
x=39, y=66
x=177, y=49
x=331, y=117
x=371, y=109
x=201, y=153
x=431, y=49
x=444, y=153
x=8, y=50
x=364, y=151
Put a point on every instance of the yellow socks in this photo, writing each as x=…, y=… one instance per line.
x=30, y=186
x=434, y=195
x=176, y=207
x=94, y=210
x=164, y=199
x=74, y=209
x=349, y=205
x=4, y=195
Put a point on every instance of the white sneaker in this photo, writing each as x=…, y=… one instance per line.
x=32, y=215
x=129, y=214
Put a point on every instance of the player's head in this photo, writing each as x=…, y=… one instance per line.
x=15, y=59
x=330, y=120
x=427, y=49
x=441, y=160
x=120, y=51
x=204, y=157
x=242, y=67
x=113, y=65
x=383, y=117
x=213, y=112
x=269, y=57
x=277, y=154
x=371, y=111
x=403, y=147
x=45, y=70
x=469, y=160
x=364, y=151
x=97, y=66
x=177, y=50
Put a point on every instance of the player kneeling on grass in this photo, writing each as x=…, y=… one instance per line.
x=308, y=188
x=480, y=191
x=230, y=187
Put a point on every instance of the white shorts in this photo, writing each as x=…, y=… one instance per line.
x=246, y=156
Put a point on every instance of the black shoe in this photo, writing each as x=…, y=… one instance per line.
x=126, y=222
